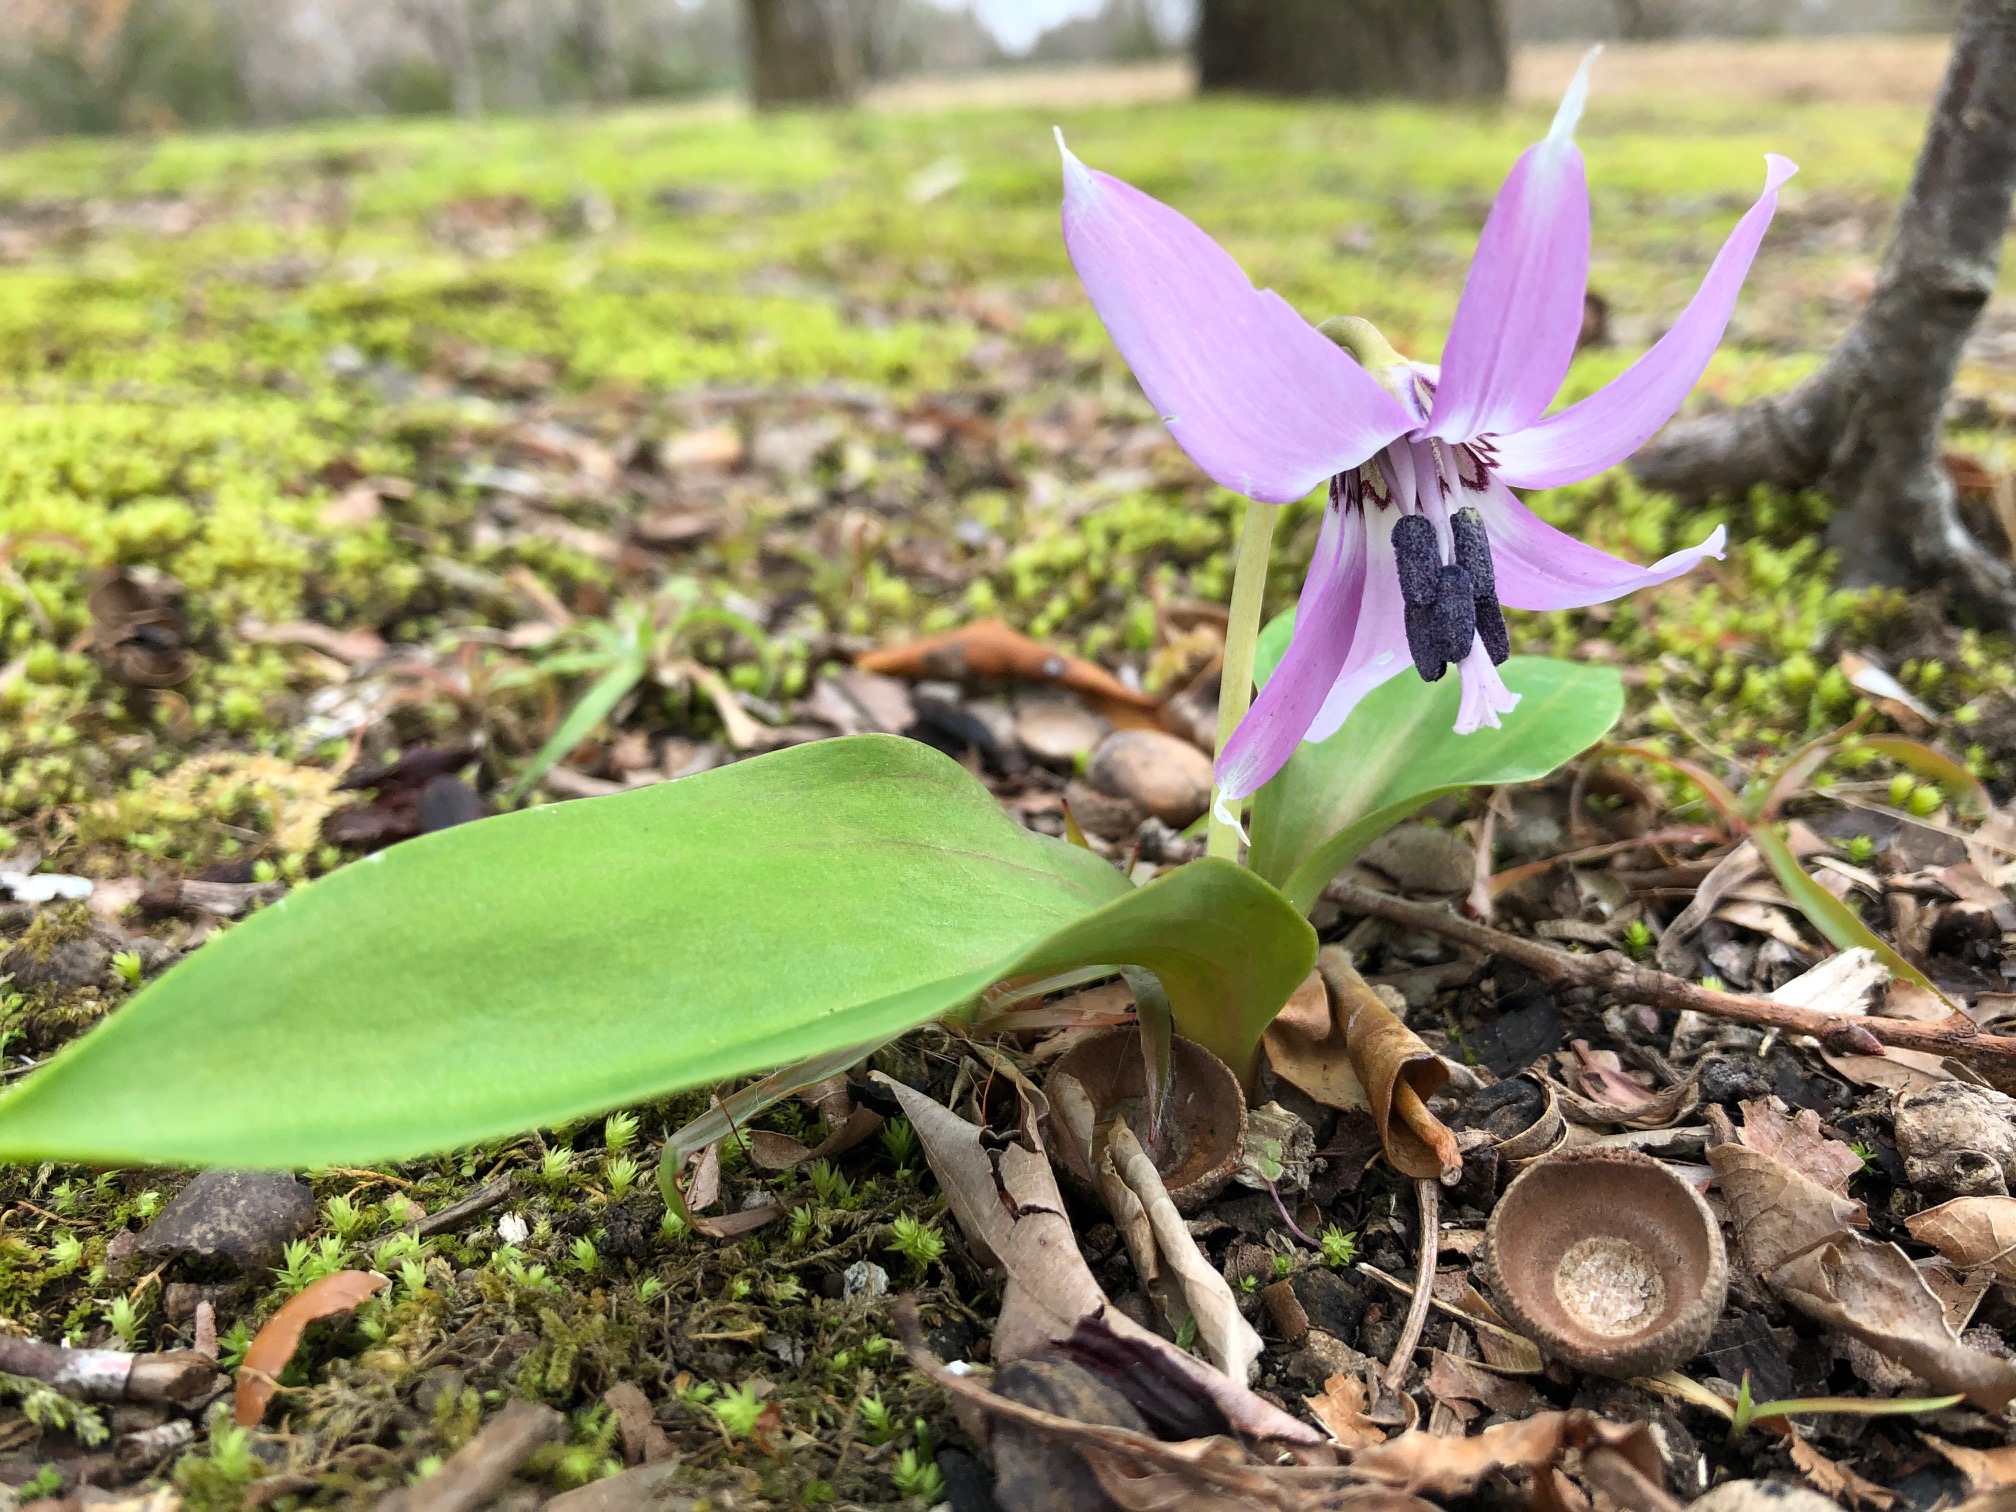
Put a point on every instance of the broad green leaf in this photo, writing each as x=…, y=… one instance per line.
x=1398, y=751
x=559, y=961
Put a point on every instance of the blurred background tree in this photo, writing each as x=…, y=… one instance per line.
x=1433, y=49
x=93, y=66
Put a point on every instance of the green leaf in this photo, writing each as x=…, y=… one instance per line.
x=1840, y=924
x=556, y=962
x=1398, y=751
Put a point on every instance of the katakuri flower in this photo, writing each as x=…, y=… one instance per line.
x=1423, y=539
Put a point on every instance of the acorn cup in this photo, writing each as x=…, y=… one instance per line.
x=1608, y=1260
x=1203, y=1122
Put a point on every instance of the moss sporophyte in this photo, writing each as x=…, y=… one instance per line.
x=1423, y=539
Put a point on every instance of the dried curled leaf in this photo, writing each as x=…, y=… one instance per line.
x=274, y=1345
x=1798, y=1142
x=1971, y=1231
x=1341, y=1409
x=1339, y=1043
x=991, y=649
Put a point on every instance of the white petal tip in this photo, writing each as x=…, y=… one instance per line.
x=1570, y=112
x=1777, y=170
x=1717, y=543
x=1223, y=811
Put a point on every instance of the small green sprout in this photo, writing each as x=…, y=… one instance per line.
x=1339, y=1248
x=232, y=1344
x=1269, y=1159
x=124, y=1319
x=650, y=1289
x=915, y=1472
x=1863, y=1151
x=801, y=1226
x=1860, y=850
x=1637, y=939
x=1900, y=789
x=621, y=1174
x=127, y=966
x=737, y=1411
x=698, y=1393
x=876, y=1419
x=784, y=1289
x=1249, y=1284
x=413, y=1276
x=44, y=1484
x=396, y=1250
x=66, y=1253
x=583, y=1256
x=1925, y=799
x=146, y=1205
x=301, y=1264
x=1284, y=1266
x=619, y=1132
x=346, y=1217
x=833, y=1188
x=919, y=1243
x=672, y=1226
x=216, y=1479
x=899, y=1141
x=1186, y=1335
x=556, y=1165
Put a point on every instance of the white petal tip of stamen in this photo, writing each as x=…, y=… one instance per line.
x=1570, y=112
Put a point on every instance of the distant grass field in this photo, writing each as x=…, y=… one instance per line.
x=183, y=322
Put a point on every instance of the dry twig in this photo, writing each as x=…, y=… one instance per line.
x=1621, y=977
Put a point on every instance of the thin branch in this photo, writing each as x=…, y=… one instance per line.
x=1428, y=1199
x=1614, y=973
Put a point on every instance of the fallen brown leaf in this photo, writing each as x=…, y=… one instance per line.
x=1778, y=1213
x=1396, y=1070
x=274, y=1345
x=1797, y=1142
x=137, y=633
x=1872, y=1292
x=990, y=649
x=1453, y=1466
x=1971, y=1231
x=1985, y=1469
x=1832, y=1479
x=1341, y=1409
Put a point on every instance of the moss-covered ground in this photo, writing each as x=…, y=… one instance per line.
x=418, y=381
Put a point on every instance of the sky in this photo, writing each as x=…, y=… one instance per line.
x=1018, y=22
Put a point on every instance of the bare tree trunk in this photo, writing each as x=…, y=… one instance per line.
x=801, y=52
x=1434, y=49
x=450, y=31
x=1865, y=428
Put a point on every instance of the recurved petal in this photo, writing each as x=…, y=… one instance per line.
x=1622, y=416
x=1539, y=567
x=1521, y=311
x=1261, y=400
x=1325, y=622
x=1379, y=636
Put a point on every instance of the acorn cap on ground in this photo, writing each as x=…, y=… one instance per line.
x=1203, y=1123
x=1608, y=1260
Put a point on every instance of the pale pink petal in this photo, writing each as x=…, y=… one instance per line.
x=1539, y=567
x=1259, y=398
x=1379, y=636
x=1521, y=311
x=1324, y=625
x=1622, y=416
x=1485, y=695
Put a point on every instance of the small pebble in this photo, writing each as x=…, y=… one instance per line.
x=864, y=1278
x=1057, y=730
x=1169, y=778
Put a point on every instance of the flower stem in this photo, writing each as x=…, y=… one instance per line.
x=1242, y=634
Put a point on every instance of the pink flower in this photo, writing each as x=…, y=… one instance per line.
x=1423, y=540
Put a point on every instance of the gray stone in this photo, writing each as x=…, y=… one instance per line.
x=241, y=1220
